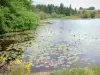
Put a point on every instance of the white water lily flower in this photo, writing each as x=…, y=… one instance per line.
x=47, y=66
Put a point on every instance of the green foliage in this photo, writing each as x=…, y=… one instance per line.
x=61, y=15
x=75, y=11
x=92, y=14
x=18, y=71
x=55, y=15
x=75, y=71
x=85, y=15
x=50, y=9
x=61, y=8
x=16, y=15
x=80, y=8
x=42, y=15
x=72, y=17
x=91, y=8
x=53, y=10
x=80, y=71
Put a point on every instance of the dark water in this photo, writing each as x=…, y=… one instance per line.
x=64, y=44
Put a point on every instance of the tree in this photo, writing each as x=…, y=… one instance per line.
x=70, y=10
x=67, y=13
x=75, y=11
x=80, y=8
x=50, y=8
x=17, y=15
x=92, y=14
x=57, y=10
x=4, y=2
x=61, y=8
x=91, y=8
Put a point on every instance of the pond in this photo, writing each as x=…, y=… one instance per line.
x=62, y=44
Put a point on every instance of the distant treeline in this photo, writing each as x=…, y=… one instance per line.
x=62, y=11
x=90, y=8
x=50, y=8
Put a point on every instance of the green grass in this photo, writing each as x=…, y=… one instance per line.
x=72, y=17
x=75, y=71
x=18, y=71
x=80, y=71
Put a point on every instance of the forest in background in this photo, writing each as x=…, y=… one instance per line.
x=70, y=13
x=19, y=15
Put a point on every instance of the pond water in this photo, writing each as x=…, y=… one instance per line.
x=63, y=44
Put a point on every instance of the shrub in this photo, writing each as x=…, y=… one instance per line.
x=84, y=15
x=15, y=15
x=42, y=15
x=92, y=14
x=54, y=15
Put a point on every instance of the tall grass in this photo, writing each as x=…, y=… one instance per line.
x=80, y=71
x=75, y=71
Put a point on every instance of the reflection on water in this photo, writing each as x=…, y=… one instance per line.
x=62, y=45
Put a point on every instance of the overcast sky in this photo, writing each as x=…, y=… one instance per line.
x=74, y=3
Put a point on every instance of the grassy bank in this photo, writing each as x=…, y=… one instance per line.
x=80, y=71
x=72, y=17
x=75, y=71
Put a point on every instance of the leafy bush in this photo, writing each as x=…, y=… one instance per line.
x=15, y=15
x=92, y=14
x=84, y=15
x=54, y=15
x=42, y=15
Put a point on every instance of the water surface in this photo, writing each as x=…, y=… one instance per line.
x=64, y=44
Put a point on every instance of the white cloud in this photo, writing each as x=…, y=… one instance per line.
x=74, y=3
